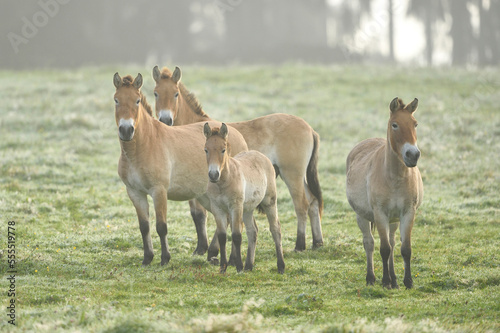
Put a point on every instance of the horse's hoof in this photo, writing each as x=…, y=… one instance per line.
x=199, y=252
x=147, y=261
x=212, y=253
x=408, y=283
x=222, y=269
x=214, y=261
x=248, y=267
x=317, y=245
x=165, y=260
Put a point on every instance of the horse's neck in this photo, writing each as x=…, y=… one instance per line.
x=394, y=168
x=186, y=115
x=142, y=134
x=228, y=172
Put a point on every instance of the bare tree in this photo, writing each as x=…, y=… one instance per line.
x=429, y=12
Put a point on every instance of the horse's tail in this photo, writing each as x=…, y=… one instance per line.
x=312, y=174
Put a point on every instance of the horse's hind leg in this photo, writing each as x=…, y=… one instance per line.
x=392, y=239
x=369, y=245
x=141, y=205
x=295, y=184
x=314, y=218
x=199, y=215
x=275, y=228
x=251, y=231
x=221, y=220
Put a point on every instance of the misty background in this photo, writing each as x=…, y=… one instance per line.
x=65, y=33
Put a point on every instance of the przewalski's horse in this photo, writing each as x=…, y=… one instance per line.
x=384, y=187
x=237, y=186
x=288, y=141
x=160, y=161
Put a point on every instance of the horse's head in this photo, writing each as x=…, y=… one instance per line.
x=216, y=149
x=127, y=103
x=402, y=131
x=166, y=94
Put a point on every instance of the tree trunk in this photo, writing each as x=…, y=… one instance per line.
x=391, y=31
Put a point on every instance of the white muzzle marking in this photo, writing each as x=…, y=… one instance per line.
x=166, y=117
x=410, y=154
x=213, y=173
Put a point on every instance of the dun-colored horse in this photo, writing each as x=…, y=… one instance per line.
x=157, y=160
x=237, y=186
x=384, y=187
x=288, y=141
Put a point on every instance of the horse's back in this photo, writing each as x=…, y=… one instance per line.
x=259, y=175
x=281, y=137
x=359, y=164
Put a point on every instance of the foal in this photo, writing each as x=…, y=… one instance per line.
x=237, y=186
x=384, y=187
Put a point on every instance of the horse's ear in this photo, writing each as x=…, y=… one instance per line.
x=412, y=107
x=223, y=131
x=176, y=76
x=396, y=104
x=156, y=73
x=138, y=81
x=207, y=130
x=117, y=80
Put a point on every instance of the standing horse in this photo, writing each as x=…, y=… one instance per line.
x=160, y=161
x=384, y=187
x=288, y=141
x=237, y=186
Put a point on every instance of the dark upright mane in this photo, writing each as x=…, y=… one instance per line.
x=188, y=96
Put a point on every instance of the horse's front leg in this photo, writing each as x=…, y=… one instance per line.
x=236, y=217
x=392, y=239
x=140, y=202
x=369, y=245
x=160, y=203
x=382, y=224
x=199, y=215
x=406, y=227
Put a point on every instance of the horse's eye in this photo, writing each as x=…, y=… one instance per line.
x=176, y=94
x=206, y=151
x=138, y=101
x=156, y=94
x=116, y=101
x=395, y=126
x=416, y=125
x=223, y=151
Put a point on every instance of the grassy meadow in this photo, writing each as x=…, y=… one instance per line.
x=78, y=244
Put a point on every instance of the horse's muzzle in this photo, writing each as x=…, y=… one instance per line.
x=411, y=156
x=214, y=176
x=165, y=116
x=126, y=132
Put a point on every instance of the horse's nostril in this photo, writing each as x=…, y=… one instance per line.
x=167, y=120
x=213, y=175
x=126, y=132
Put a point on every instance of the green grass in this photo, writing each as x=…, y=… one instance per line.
x=79, y=247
